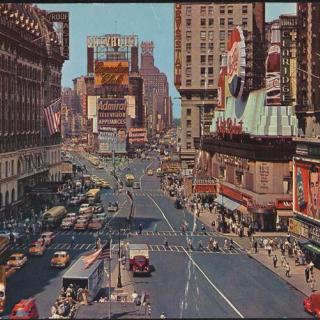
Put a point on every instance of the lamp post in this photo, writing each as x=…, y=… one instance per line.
x=119, y=284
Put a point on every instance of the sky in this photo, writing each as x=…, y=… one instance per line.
x=150, y=21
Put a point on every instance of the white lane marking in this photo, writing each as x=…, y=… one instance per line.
x=88, y=246
x=211, y=283
x=165, y=218
x=75, y=247
x=145, y=170
x=82, y=246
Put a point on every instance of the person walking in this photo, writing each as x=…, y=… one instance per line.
x=269, y=250
x=255, y=246
x=140, y=228
x=312, y=282
x=311, y=265
x=307, y=274
x=287, y=270
x=275, y=260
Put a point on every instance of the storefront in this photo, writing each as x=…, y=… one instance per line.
x=284, y=213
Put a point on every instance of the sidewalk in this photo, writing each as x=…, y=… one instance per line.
x=297, y=277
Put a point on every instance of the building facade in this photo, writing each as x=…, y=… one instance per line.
x=201, y=35
x=30, y=79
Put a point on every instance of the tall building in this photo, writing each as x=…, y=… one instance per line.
x=136, y=90
x=156, y=92
x=30, y=79
x=201, y=36
x=308, y=93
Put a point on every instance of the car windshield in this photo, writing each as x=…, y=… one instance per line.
x=140, y=259
x=59, y=255
x=20, y=313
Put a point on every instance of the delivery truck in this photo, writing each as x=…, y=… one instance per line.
x=138, y=255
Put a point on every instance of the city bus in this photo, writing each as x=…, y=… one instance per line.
x=53, y=217
x=93, y=195
x=129, y=178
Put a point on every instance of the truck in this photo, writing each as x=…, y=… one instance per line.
x=129, y=179
x=91, y=278
x=2, y=288
x=138, y=258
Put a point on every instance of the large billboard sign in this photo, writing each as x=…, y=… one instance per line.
x=112, y=40
x=306, y=184
x=177, y=45
x=112, y=140
x=137, y=135
x=111, y=113
x=111, y=72
x=236, y=63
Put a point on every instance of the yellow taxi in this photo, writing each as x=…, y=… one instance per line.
x=105, y=184
x=81, y=224
x=37, y=249
x=17, y=260
x=60, y=259
x=95, y=224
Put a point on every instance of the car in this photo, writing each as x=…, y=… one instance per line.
x=100, y=166
x=98, y=208
x=17, y=260
x=37, y=249
x=9, y=270
x=98, y=183
x=148, y=158
x=72, y=216
x=85, y=208
x=60, y=259
x=16, y=236
x=136, y=185
x=150, y=172
x=101, y=216
x=25, y=309
x=82, y=197
x=95, y=224
x=48, y=237
x=312, y=304
x=81, y=224
x=113, y=207
x=105, y=185
x=75, y=201
x=67, y=224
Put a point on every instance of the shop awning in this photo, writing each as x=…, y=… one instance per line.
x=243, y=209
x=284, y=213
x=227, y=203
x=312, y=248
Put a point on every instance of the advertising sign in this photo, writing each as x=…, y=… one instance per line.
x=66, y=168
x=306, y=185
x=171, y=167
x=112, y=40
x=222, y=83
x=112, y=139
x=273, y=69
x=177, y=46
x=111, y=113
x=264, y=171
x=111, y=72
x=285, y=69
x=236, y=62
x=137, y=135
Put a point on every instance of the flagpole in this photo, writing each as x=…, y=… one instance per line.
x=110, y=278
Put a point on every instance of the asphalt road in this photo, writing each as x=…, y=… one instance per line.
x=183, y=284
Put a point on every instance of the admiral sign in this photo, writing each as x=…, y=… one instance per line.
x=236, y=63
x=111, y=113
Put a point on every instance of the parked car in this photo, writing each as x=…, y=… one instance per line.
x=25, y=309
x=60, y=259
x=113, y=207
x=85, y=207
x=75, y=201
x=37, y=249
x=100, y=166
x=16, y=235
x=17, y=260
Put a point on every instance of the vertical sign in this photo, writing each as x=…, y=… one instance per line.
x=177, y=46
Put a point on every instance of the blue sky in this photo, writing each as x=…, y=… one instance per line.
x=150, y=21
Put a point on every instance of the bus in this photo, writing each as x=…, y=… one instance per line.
x=93, y=195
x=129, y=179
x=53, y=217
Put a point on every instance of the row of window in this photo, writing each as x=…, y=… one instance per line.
x=203, y=22
x=203, y=82
x=222, y=10
x=202, y=59
x=203, y=71
x=203, y=47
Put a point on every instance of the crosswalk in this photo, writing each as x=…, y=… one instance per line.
x=178, y=233
x=88, y=232
x=141, y=193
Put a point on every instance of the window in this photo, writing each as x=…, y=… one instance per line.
x=210, y=70
x=210, y=33
x=188, y=11
x=244, y=22
x=188, y=35
x=222, y=173
x=6, y=171
x=222, y=35
x=222, y=46
x=210, y=10
x=188, y=59
x=230, y=9
x=203, y=47
x=188, y=72
x=188, y=83
x=202, y=34
x=244, y=9
x=188, y=46
x=202, y=22
x=188, y=112
x=222, y=10
x=210, y=82
x=239, y=178
x=210, y=22
x=12, y=167
x=188, y=22
x=189, y=145
x=230, y=22
x=229, y=33
x=203, y=71
x=202, y=83
x=188, y=123
x=210, y=59
x=210, y=46
x=202, y=59
x=189, y=134
x=203, y=10
x=221, y=22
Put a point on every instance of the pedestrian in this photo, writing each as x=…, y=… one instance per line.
x=275, y=260
x=312, y=282
x=255, y=246
x=203, y=229
x=134, y=296
x=269, y=250
x=287, y=270
x=311, y=265
x=307, y=274
x=282, y=260
x=225, y=246
x=166, y=244
x=140, y=228
x=200, y=246
x=288, y=237
x=190, y=246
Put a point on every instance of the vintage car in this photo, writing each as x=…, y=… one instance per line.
x=105, y=185
x=150, y=172
x=17, y=260
x=37, y=249
x=60, y=259
x=95, y=224
x=85, y=207
x=75, y=201
x=72, y=216
x=48, y=238
x=66, y=224
x=25, y=309
x=113, y=207
x=98, y=208
x=81, y=224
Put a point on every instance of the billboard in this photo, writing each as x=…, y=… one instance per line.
x=112, y=40
x=306, y=195
x=111, y=72
x=111, y=113
x=112, y=139
x=177, y=46
x=236, y=62
x=171, y=167
x=137, y=135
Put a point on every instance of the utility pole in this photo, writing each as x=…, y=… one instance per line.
x=119, y=285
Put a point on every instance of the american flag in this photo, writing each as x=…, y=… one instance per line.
x=102, y=253
x=52, y=115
